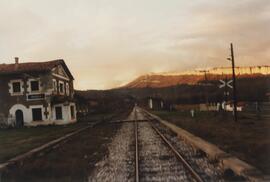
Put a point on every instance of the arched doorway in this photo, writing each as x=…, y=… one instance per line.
x=19, y=118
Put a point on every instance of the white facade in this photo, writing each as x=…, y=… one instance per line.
x=66, y=111
x=51, y=115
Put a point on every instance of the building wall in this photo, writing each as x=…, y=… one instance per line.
x=67, y=91
x=155, y=104
x=9, y=103
x=66, y=114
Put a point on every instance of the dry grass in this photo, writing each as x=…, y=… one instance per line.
x=72, y=160
x=17, y=141
x=249, y=139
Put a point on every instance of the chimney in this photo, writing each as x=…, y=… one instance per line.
x=16, y=60
x=16, y=63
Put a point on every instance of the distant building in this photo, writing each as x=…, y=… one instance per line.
x=36, y=93
x=155, y=103
x=150, y=103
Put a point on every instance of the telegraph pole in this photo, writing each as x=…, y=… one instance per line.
x=205, y=88
x=234, y=86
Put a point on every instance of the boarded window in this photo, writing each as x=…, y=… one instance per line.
x=37, y=114
x=16, y=87
x=34, y=85
x=58, y=113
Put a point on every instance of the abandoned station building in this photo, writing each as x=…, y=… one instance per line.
x=36, y=93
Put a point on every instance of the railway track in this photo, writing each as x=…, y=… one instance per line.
x=137, y=178
x=157, y=159
x=145, y=150
x=180, y=157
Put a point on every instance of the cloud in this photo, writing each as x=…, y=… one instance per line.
x=214, y=25
x=108, y=43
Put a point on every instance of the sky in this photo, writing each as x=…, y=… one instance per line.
x=107, y=43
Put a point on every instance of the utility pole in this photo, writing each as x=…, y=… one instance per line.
x=234, y=85
x=205, y=88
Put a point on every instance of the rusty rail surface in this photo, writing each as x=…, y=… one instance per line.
x=179, y=156
x=137, y=153
x=137, y=179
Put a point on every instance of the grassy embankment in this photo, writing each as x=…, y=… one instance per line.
x=17, y=141
x=73, y=160
x=249, y=139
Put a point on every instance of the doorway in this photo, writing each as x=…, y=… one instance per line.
x=58, y=113
x=19, y=118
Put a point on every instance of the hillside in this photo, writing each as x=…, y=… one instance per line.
x=156, y=81
x=194, y=77
x=253, y=84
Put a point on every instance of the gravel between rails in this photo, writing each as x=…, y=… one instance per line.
x=208, y=170
x=156, y=161
x=119, y=165
x=135, y=115
x=140, y=116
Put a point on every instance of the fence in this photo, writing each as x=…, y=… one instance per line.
x=257, y=110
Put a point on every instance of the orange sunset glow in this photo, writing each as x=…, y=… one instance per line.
x=107, y=44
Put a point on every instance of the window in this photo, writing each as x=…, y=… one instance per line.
x=54, y=85
x=67, y=89
x=61, y=87
x=37, y=114
x=58, y=113
x=72, y=112
x=34, y=85
x=16, y=86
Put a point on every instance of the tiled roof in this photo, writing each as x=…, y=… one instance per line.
x=6, y=69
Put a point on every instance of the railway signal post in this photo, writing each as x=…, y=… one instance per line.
x=225, y=84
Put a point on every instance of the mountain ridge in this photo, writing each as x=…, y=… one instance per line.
x=159, y=80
